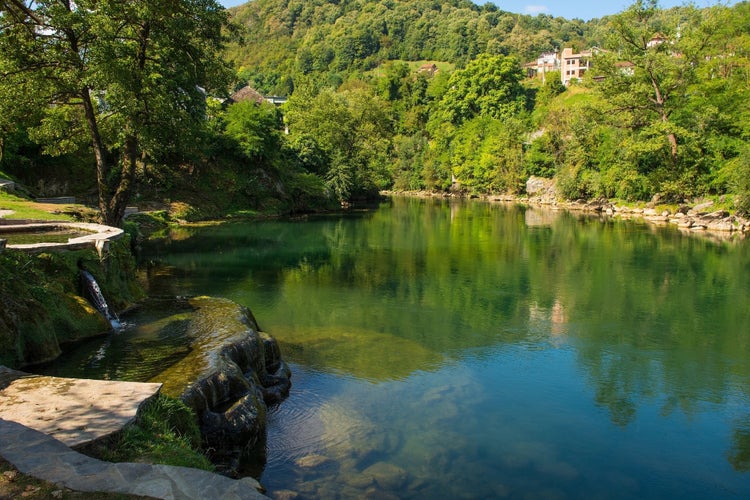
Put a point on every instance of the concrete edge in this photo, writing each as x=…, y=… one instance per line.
x=99, y=238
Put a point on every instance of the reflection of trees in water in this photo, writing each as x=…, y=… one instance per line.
x=654, y=315
x=655, y=312
x=739, y=454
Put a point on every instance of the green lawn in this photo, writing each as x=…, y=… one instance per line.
x=443, y=67
x=27, y=209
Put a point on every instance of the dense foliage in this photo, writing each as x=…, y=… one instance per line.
x=381, y=94
x=121, y=78
x=333, y=39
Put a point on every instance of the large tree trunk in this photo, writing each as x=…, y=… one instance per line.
x=659, y=101
x=100, y=157
x=114, y=194
x=121, y=196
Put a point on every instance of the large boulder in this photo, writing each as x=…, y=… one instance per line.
x=542, y=190
x=233, y=371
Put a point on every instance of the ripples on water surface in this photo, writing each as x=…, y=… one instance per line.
x=467, y=350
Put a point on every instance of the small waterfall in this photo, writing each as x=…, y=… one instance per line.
x=93, y=294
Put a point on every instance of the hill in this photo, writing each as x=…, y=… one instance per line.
x=277, y=41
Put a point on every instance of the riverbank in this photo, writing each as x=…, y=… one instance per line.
x=702, y=217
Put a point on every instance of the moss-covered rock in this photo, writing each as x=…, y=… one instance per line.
x=42, y=303
x=229, y=376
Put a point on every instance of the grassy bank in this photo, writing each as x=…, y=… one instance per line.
x=165, y=432
x=43, y=307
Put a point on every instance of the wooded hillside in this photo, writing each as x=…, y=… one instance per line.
x=381, y=95
x=279, y=39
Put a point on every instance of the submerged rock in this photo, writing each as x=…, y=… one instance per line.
x=387, y=475
x=313, y=462
x=229, y=376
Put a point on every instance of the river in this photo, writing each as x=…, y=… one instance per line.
x=462, y=349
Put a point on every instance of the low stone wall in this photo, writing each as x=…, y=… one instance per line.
x=99, y=237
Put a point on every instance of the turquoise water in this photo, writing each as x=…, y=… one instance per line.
x=446, y=349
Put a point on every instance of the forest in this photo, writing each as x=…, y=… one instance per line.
x=126, y=102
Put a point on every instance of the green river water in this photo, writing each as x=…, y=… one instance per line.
x=454, y=349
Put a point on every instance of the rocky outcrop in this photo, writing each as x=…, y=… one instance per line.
x=232, y=373
x=541, y=190
x=696, y=218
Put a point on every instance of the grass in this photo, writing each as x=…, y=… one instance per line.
x=165, y=432
x=26, y=209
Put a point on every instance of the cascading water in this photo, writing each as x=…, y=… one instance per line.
x=93, y=294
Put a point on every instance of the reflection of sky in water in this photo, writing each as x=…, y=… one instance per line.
x=474, y=429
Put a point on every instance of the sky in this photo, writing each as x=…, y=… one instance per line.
x=582, y=9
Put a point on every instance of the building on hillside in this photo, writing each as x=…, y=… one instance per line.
x=545, y=63
x=574, y=65
x=430, y=69
x=656, y=40
x=627, y=68
x=276, y=100
x=246, y=93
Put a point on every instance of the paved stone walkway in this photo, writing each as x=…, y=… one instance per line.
x=44, y=457
x=41, y=417
x=74, y=411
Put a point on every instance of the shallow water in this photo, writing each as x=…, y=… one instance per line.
x=41, y=236
x=467, y=350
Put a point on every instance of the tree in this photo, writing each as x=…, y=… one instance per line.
x=351, y=130
x=133, y=74
x=647, y=77
x=488, y=86
x=255, y=127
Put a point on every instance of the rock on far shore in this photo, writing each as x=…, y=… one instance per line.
x=698, y=217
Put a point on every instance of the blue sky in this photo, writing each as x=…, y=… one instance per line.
x=583, y=9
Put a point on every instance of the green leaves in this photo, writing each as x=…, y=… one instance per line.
x=489, y=86
x=135, y=70
x=255, y=128
x=351, y=129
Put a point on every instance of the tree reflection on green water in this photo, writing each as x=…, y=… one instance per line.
x=527, y=309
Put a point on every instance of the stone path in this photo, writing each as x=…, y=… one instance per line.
x=41, y=417
x=74, y=411
x=44, y=457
